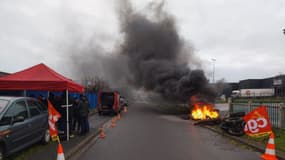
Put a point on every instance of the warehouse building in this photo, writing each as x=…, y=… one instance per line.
x=276, y=84
x=279, y=85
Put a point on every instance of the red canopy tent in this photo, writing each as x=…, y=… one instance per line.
x=40, y=77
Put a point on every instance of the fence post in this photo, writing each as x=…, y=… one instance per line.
x=281, y=115
x=230, y=103
x=249, y=105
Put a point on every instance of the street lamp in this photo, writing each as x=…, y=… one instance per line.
x=213, y=60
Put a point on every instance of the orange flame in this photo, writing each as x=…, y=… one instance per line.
x=204, y=111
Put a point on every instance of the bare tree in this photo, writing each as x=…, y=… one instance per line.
x=95, y=83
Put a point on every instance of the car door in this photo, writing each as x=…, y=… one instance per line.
x=38, y=118
x=19, y=132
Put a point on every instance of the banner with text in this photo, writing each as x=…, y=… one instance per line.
x=257, y=123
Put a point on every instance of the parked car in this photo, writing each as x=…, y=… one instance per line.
x=23, y=122
x=109, y=102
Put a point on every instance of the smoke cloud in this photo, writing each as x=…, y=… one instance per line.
x=152, y=56
x=158, y=58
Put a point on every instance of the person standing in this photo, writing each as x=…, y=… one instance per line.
x=76, y=116
x=83, y=113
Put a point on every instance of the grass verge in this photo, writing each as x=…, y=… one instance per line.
x=22, y=155
x=279, y=138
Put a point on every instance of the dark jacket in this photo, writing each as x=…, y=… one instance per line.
x=83, y=108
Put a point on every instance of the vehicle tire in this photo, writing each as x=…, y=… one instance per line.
x=224, y=126
x=237, y=114
x=100, y=113
x=233, y=120
x=236, y=131
x=46, y=137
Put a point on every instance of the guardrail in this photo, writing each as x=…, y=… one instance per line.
x=276, y=111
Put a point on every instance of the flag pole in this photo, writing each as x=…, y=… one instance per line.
x=67, y=118
x=57, y=137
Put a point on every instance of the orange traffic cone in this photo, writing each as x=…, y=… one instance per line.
x=119, y=117
x=125, y=109
x=102, y=133
x=60, y=155
x=113, y=123
x=270, y=149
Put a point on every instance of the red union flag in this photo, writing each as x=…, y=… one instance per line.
x=257, y=123
x=52, y=119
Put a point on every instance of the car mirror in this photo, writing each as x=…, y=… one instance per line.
x=18, y=119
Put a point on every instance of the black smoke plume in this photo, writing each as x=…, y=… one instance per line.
x=152, y=56
x=158, y=58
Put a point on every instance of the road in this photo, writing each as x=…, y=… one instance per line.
x=145, y=133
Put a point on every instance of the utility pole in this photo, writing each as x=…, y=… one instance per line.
x=213, y=60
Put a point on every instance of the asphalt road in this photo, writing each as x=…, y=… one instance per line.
x=144, y=133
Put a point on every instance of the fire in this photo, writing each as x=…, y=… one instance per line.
x=204, y=111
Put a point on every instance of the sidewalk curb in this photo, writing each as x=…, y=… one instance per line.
x=257, y=146
x=80, y=148
x=75, y=149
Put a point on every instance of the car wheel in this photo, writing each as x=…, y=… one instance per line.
x=46, y=137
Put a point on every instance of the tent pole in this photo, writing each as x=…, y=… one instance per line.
x=67, y=118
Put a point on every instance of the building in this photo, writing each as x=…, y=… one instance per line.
x=256, y=83
x=279, y=85
x=228, y=88
x=276, y=83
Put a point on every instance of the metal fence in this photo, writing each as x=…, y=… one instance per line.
x=276, y=111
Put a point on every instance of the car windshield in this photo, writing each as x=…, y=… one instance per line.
x=3, y=104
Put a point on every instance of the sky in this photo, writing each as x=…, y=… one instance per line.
x=244, y=37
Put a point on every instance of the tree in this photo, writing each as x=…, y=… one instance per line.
x=95, y=84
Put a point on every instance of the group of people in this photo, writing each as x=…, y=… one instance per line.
x=78, y=110
x=80, y=121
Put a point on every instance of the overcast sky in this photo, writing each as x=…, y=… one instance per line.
x=245, y=37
